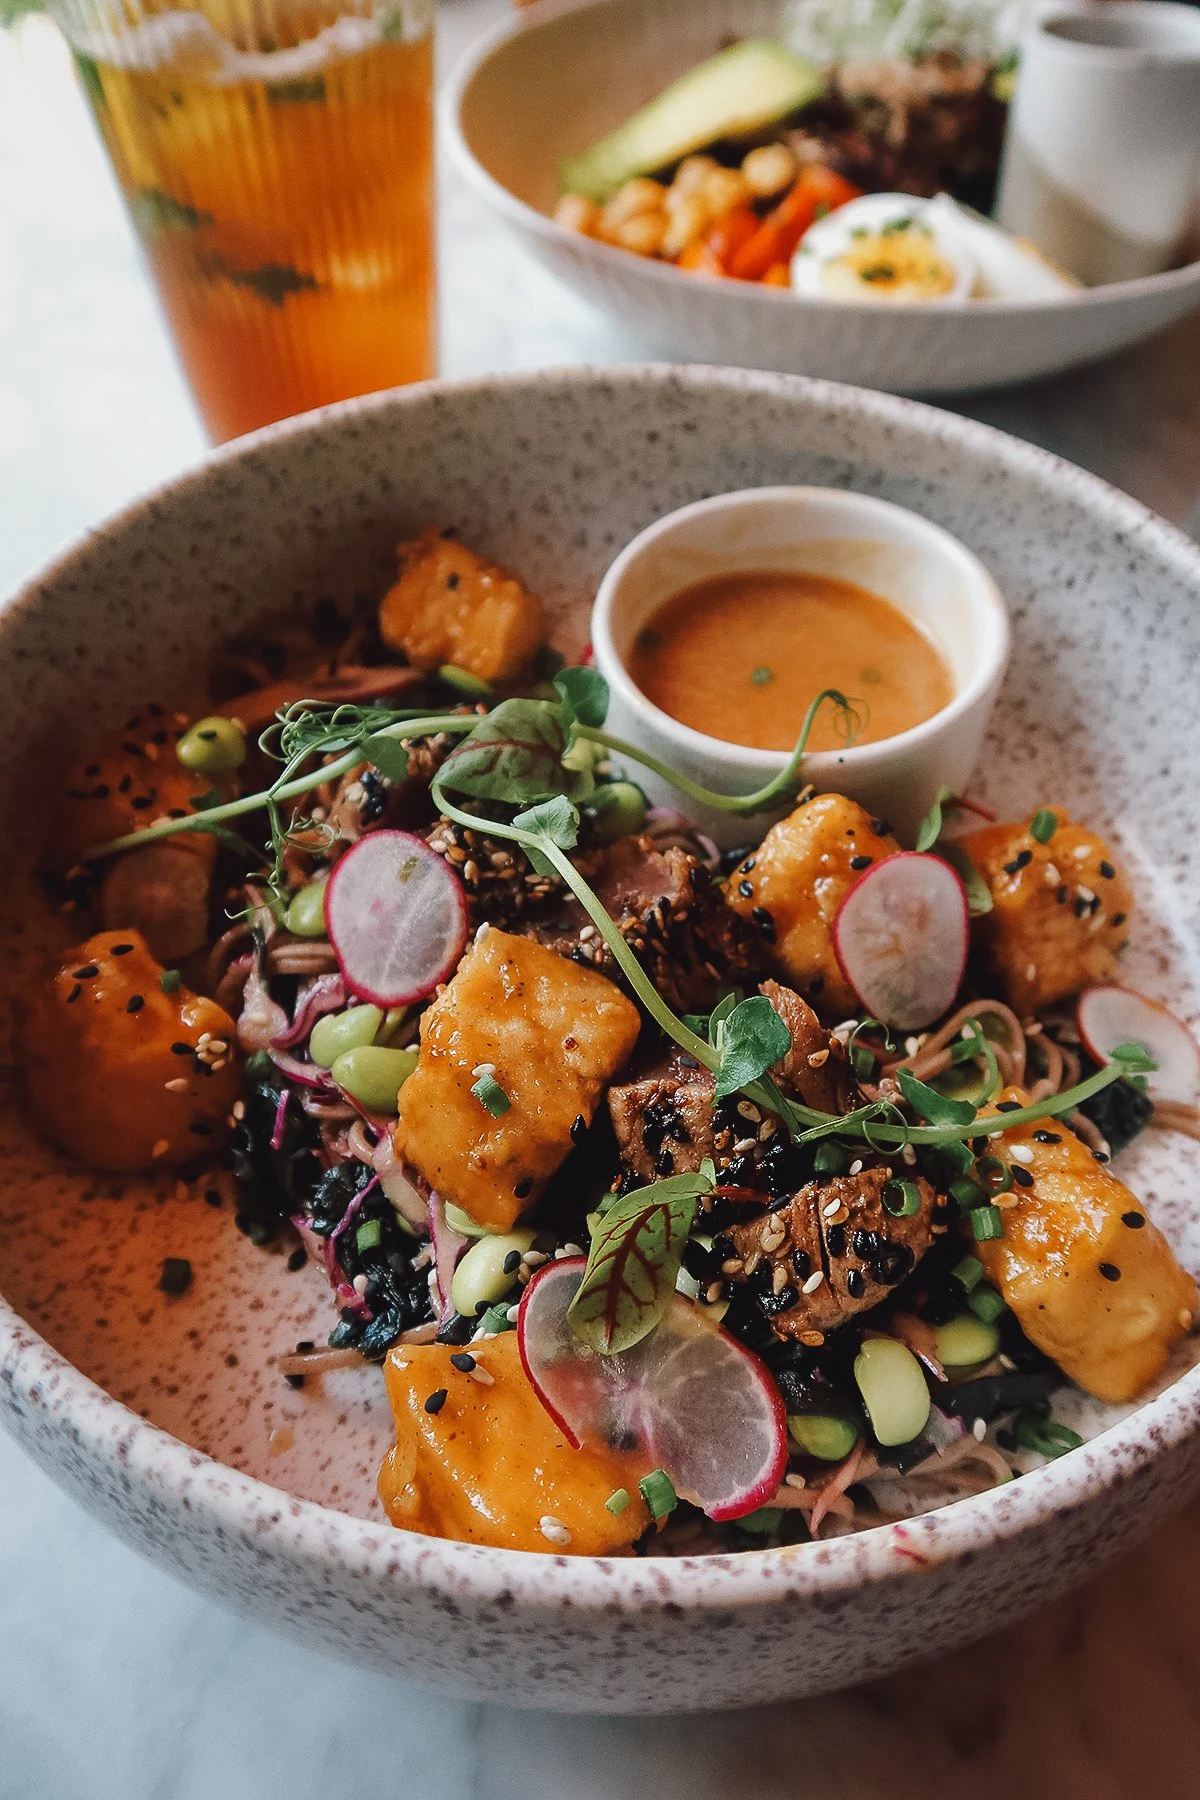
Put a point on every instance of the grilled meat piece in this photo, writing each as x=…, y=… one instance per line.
x=837, y=1236
x=666, y=1122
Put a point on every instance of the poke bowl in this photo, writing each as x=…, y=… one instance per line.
x=534, y=107
x=165, y=1328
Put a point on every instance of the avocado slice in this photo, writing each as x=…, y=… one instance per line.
x=736, y=93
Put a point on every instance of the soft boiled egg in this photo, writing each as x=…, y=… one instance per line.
x=896, y=247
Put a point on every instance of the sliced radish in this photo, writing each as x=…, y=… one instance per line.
x=1109, y=1015
x=699, y=1405
x=396, y=917
x=900, y=938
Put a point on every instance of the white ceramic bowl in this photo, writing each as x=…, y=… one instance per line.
x=563, y=73
x=924, y=571
x=166, y=1417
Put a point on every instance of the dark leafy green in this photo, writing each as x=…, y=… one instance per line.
x=634, y=1258
x=584, y=696
x=751, y=1040
x=938, y=1108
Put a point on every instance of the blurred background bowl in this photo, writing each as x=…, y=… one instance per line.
x=563, y=73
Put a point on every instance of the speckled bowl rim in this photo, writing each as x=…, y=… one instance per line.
x=627, y=266
x=240, y=1504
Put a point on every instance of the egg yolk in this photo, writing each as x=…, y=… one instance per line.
x=892, y=265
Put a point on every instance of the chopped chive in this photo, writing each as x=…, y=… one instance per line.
x=368, y=1235
x=496, y=1318
x=901, y=1198
x=491, y=1096
x=617, y=1502
x=968, y=1273
x=1043, y=825
x=967, y=1193
x=1044, y=1435
x=170, y=981
x=659, y=1494
x=762, y=675
x=473, y=687
x=987, y=1222
x=986, y=1304
x=995, y=1174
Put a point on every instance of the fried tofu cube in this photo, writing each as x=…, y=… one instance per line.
x=552, y=1035
x=1093, y=1283
x=451, y=606
x=489, y=1464
x=1059, y=909
x=795, y=882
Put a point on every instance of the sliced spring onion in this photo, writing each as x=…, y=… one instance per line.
x=1044, y=1435
x=968, y=1273
x=987, y=1222
x=986, y=1304
x=170, y=981
x=658, y=1493
x=995, y=1174
x=491, y=1096
x=368, y=1235
x=617, y=1502
x=901, y=1198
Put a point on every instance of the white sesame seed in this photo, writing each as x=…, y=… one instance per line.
x=160, y=1148
x=482, y=932
x=1031, y=971
x=829, y=1208
x=1085, y=894
x=908, y=1155
x=818, y=1059
x=1081, y=852
x=1051, y=876
x=814, y=1281
x=779, y=1279
x=483, y=1376
x=912, y=1045
x=793, y=1480
x=239, y=1109
x=572, y=1249
x=204, y=1038
x=1020, y=1153
x=744, y=1144
x=856, y=1167
x=533, y=1259
x=748, y=1110
x=359, y=1284
x=979, y=1430
x=587, y=933
x=510, y=1313
x=553, y=1529
x=482, y=1069
x=176, y=1086
x=1034, y=1028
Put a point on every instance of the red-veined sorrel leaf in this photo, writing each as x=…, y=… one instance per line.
x=633, y=1261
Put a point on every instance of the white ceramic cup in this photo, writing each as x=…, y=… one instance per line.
x=916, y=565
x=1102, y=153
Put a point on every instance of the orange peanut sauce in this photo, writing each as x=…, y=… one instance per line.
x=741, y=656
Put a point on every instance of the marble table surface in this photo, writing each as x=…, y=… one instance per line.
x=115, y=1681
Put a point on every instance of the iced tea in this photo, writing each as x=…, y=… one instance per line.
x=278, y=166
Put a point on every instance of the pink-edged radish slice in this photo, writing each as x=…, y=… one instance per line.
x=396, y=917
x=699, y=1405
x=900, y=937
x=1109, y=1015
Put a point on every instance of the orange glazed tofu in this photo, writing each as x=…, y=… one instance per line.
x=1059, y=909
x=551, y=1034
x=1093, y=1283
x=798, y=877
x=450, y=606
x=486, y=1464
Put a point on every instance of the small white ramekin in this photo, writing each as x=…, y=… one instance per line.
x=920, y=568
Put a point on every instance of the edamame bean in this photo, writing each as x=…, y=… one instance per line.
x=892, y=1384
x=620, y=810
x=822, y=1435
x=338, y=1032
x=965, y=1340
x=462, y=1222
x=305, y=916
x=374, y=1076
x=481, y=1278
x=213, y=746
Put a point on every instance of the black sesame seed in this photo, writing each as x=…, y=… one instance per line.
x=1012, y=868
x=1061, y=896
x=1021, y=1176
x=1008, y=1106
x=1024, y=858
x=209, y=737
x=74, y=994
x=746, y=890
x=1107, y=870
x=1101, y=1156
x=297, y=1259
x=835, y=1241
x=801, y=1262
x=1046, y=1137
x=463, y=1361
x=212, y=1197
x=120, y=949
x=92, y=769
x=746, y=867
x=512, y=1262
x=199, y=1128
x=304, y=1346
x=181, y=1049
x=436, y=1401
x=579, y=1130
x=101, y=791
x=766, y=924
x=856, y=1287
x=861, y=862
x=523, y=1188
x=86, y=973
x=125, y=783
x=452, y=579
x=294, y=1381
x=1110, y=1271
x=135, y=1003
x=1117, y=919
x=1134, y=1220
x=175, y=1276
x=130, y=748
x=140, y=802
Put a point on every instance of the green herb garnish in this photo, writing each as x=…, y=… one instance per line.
x=1043, y=825
x=968, y=1273
x=658, y=1492
x=987, y=1223
x=986, y=1304
x=170, y=981
x=617, y=1502
x=369, y=1235
x=1034, y=1431
x=635, y=1254
x=491, y=1096
x=901, y=1198
x=762, y=675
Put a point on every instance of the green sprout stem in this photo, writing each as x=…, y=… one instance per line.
x=778, y=785
x=283, y=789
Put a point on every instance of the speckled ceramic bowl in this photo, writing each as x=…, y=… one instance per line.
x=164, y=1416
x=552, y=80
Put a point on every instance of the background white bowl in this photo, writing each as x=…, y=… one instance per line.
x=163, y=1416
x=565, y=72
